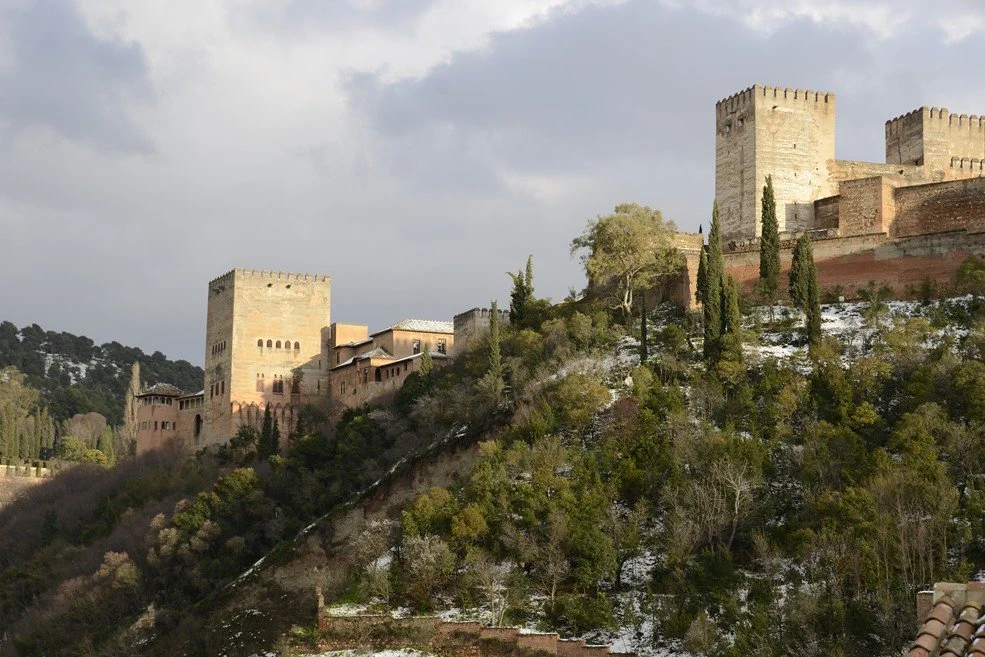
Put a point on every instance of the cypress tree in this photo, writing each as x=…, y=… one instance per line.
x=644, y=353
x=105, y=445
x=713, y=296
x=699, y=294
x=522, y=294
x=802, y=258
x=493, y=380
x=427, y=364
x=268, y=444
x=813, y=308
x=275, y=439
x=733, y=316
x=769, y=246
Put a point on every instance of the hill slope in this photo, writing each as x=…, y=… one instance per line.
x=76, y=375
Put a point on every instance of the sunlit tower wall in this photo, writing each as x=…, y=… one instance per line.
x=786, y=133
x=266, y=343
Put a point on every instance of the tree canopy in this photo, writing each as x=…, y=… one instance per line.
x=627, y=251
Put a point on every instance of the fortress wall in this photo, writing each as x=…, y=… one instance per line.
x=967, y=136
x=218, y=328
x=940, y=207
x=735, y=163
x=906, y=174
x=826, y=213
x=795, y=140
x=683, y=290
x=904, y=139
x=865, y=206
x=786, y=133
x=851, y=262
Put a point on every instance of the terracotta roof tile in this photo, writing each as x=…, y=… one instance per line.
x=955, y=626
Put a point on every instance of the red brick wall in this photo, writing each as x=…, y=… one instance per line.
x=852, y=262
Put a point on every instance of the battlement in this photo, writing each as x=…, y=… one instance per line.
x=968, y=164
x=777, y=95
x=269, y=275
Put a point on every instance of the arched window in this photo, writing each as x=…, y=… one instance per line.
x=277, y=345
x=287, y=344
x=269, y=344
x=260, y=343
x=297, y=345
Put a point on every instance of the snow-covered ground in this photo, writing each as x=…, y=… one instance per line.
x=402, y=652
x=850, y=322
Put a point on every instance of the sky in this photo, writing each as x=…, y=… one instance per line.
x=414, y=150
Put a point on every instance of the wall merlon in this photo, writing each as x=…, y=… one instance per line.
x=281, y=276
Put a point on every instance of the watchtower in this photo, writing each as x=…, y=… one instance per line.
x=266, y=341
x=788, y=134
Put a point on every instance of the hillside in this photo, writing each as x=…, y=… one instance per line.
x=752, y=505
x=76, y=375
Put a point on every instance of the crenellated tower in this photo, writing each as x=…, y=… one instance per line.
x=265, y=343
x=786, y=133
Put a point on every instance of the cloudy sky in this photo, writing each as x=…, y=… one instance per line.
x=415, y=150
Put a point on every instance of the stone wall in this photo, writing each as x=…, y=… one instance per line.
x=460, y=639
x=940, y=207
x=849, y=263
x=269, y=323
x=786, y=133
x=473, y=325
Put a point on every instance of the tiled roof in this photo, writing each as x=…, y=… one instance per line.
x=421, y=326
x=955, y=626
x=164, y=390
x=379, y=352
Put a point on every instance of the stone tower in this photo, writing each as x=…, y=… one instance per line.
x=946, y=145
x=263, y=329
x=786, y=133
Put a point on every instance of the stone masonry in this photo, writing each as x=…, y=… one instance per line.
x=900, y=223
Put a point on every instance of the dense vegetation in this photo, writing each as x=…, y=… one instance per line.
x=721, y=504
x=77, y=376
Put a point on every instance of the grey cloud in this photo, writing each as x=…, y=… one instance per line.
x=64, y=78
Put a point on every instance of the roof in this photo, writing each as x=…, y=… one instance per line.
x=200, y=393
x=164, y=390
x=379, y=352
x=421, y=326
x=354, y=343
x=955, y=626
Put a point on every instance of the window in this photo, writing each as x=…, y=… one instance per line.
x=223, y=384
x=155, y=425
x=295, y=386
x=260, y=343
x=378, y=375
x=742, y=121
x=277, y=344
x=269, y=344
x=441, y=345
x=338, y=358
x=416, y=347
x=727, y=128
x=259, y=385
x=279, y=386
x=297, y=345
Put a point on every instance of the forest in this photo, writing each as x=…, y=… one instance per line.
x=646, y=475
x=76, y=376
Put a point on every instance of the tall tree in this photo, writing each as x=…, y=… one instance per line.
x=733, y=315
x=493, y=379
x=106, y=446
x=130, y=403
x=427, y=364
x=803, y=258
x=627, y=251
x=713, y=293
x=268, y=444
x=813, y=305
x=522, y=294
x=769, y=247
x=702, y=275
